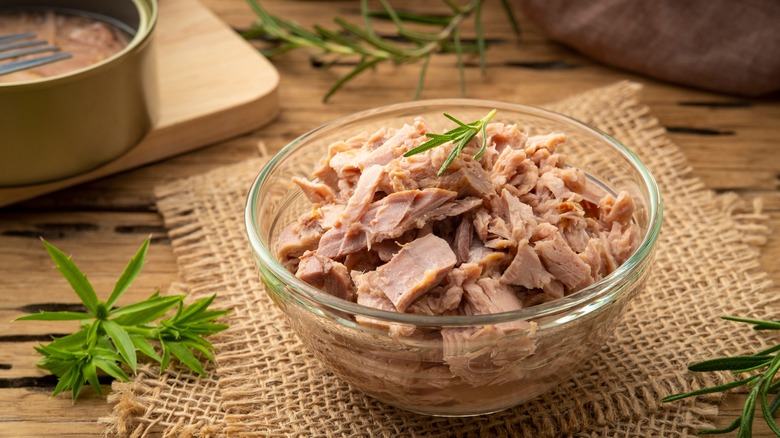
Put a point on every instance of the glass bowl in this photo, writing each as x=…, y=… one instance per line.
x=498, y=369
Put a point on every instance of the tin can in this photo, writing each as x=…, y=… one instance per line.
x=61, y=126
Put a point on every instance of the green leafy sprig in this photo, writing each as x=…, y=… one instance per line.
x=761, y=369
x=110, y=336
x=460, y=136
x=368, y=48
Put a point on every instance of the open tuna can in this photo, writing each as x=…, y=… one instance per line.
x=71, y=116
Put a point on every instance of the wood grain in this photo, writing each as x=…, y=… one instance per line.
x=103, y=222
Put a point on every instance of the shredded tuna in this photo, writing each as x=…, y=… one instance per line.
x=367, y=296
x=463, y=239
x=317, y=192
x=465, y=351
x=469, y=179
x=617, y=210
x=326, y=274
x=363, y=195
x=526, y=269
x=387, y=218
x=561, y=261
x=403, y=140
x=417, y=268
x=304, y=235
x=488, y=295
x=516, y=228
x=439, y=301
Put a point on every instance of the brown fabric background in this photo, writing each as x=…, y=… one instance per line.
x=720, y=45
x=266, y=384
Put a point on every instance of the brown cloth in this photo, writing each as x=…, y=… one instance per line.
x=265, y=383
x=719, y=45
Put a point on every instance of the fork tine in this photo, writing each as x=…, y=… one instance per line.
x=28, y=51
x=17, y=36
x=30, y=63
x=21, y=45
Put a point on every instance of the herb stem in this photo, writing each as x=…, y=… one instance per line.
x=761, y=384
x=147, y=332
x=114, y=334
x=361, y=41
x=446, y=33
x=460, y=137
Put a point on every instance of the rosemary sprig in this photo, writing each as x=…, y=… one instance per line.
x=110, y=336
x=761, y=384
x=460, y=136
x=368, y=48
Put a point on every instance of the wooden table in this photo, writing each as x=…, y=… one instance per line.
x=732, y=143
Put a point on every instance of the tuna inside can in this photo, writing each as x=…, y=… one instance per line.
x=69, y=117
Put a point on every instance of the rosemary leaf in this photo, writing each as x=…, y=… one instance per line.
x=65, y=382
x=355, y=47
x=56, y=316
x=349, y=76
x=279, y=50
x=390, y=13
x=409, y=17
x=460, y=137
x=142, y=344
x=730, y=363
x=370, y=38
x=112, y=369
x=761, y=384
x=709, y=390
x=482, y=148
x=767, y=409
x=748, y=413
x=511, y=16
x=122, y=341
x=421, y=80
x=90, y=373
x=361, y=42
x=78, y=281
x=186, y=357
x=455, y=8
x=364, y=12
x=269, y=21
x=767, y=325
x=480, y=37
x=458, y=122
x=730, y=428
x=129, y=274
x=198, y=347
x=145, y=311
x=299, y=31
x=461, y=67
x=769, y=415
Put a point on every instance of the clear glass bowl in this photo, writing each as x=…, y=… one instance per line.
x=495, y=371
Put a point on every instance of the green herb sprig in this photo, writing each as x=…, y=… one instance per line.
x=761, y=369
x=110, y=336
x=460, y=137
x=363, y=44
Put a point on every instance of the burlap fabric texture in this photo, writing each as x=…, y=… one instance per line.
x=265, y=383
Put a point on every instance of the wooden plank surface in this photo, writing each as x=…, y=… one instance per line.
x=733, y=147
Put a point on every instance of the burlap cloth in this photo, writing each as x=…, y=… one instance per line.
x=265, y=383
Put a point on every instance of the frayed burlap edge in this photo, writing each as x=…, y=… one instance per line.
x=173, y=403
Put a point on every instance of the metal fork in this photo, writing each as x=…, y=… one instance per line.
x=22, y=44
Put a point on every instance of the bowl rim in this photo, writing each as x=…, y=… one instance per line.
x=599, y=293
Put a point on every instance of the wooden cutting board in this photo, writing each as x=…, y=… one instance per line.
x=213, y=86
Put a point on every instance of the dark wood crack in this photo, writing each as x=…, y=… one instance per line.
x=696, y=131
